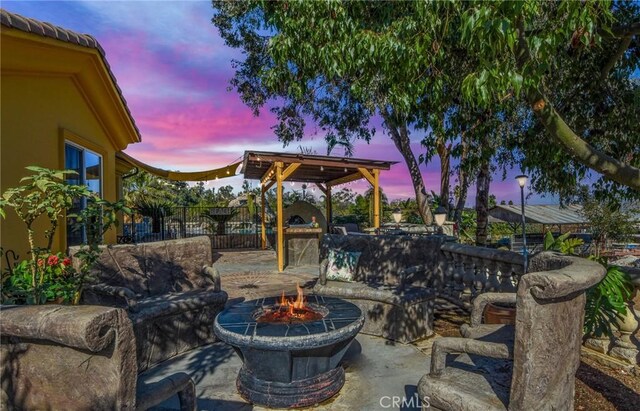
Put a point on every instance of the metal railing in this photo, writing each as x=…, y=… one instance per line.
x=228, y=227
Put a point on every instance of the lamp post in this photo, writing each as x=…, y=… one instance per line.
x=440, y=215
x=522, y=181
x=397, y=216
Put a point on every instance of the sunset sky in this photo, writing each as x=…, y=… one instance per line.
x=174, y=70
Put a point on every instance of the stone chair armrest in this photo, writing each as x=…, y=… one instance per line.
x=151, y=394
x=87, y=327
x=450, y=345
x=116, y=291
x=481, y=301
x=214, y=275
x=322, y=274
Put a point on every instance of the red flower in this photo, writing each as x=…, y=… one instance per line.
x=40, y=262
x=66, y=261
x=53, y=260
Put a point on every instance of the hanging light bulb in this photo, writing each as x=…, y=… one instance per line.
x=216, y=177
x=293, y=183
x=321, y=168
x=345, y=169
x=227, y=172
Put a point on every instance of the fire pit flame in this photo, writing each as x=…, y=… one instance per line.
x=290, y=310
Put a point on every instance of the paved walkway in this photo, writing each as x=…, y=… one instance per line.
x=380, y=375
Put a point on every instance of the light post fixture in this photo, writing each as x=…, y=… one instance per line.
x=440, y=216
x=397, y=216
x=522, y=181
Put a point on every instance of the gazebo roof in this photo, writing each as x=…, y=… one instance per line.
x=312, y=169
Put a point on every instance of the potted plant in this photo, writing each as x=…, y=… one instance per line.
x=46, y=276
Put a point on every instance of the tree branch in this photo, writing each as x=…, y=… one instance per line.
x=626, y=30
x=560, y=131
x=624, y=44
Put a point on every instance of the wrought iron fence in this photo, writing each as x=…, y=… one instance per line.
x=228, y=227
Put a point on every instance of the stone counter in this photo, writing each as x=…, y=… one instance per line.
x=302, y=245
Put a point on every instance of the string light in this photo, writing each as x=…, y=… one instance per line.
x=345, y=169
x=293, y=183
x=321, y=168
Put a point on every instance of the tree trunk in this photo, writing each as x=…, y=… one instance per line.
x=482, y=203
x=463, y=181
x=400, y=137
x=444, y=152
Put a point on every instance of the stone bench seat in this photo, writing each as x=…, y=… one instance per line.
x=169, y=289
x=382, y=293
x=395, y=297
x=174, y=303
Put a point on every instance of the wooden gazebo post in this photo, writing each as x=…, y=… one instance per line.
x=374, y=179
x=280, y=225
x=326, y=172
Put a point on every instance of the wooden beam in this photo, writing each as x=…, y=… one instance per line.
x=366, y=174
x=269, y=185
x=322, y=188
x=267, y=175
x=263, y=216
x=325, y=162
x=280, y=233
x=289, y=170
x=328, y=210
x=346, y=179
x=376, y=198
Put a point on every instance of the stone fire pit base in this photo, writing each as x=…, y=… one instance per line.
x=290, y=365
x=295, y=394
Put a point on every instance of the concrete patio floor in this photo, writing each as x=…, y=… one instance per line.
x=380, y=375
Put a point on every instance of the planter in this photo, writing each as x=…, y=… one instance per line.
x=500, y=313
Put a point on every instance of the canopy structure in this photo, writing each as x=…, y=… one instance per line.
x=227, y=171
x=324, y=171
x=538, y=214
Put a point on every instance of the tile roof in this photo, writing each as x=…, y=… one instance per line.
x=44, y=29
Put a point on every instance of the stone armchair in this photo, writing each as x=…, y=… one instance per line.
x=489, y=332
x=395, y=298
x=535, y=370
x=169, y=290
x=77, y=358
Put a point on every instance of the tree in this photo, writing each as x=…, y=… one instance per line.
x=608, y=221
x=339, y=63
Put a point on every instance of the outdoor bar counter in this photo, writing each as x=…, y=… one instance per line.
x=302, y=245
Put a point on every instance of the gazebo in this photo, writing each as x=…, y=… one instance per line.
x=324, y=171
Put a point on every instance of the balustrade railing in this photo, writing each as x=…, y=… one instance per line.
x=468, y=271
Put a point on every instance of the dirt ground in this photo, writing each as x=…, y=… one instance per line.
x=598, y=387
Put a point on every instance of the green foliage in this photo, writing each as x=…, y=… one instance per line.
x=464, y=70
x=58, y=282
x=562, y=243
x=608, y=220
x=607, y=301
x=46, y=276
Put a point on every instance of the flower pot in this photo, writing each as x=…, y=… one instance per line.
x=500, y=313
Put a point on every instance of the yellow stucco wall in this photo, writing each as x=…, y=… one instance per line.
x=40, y=110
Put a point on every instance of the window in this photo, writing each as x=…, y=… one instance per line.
x=88, y=165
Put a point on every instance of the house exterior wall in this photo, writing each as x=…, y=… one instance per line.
x=45, y=102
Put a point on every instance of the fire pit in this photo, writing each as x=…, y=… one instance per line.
x=290, y=348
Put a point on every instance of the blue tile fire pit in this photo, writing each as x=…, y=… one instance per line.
x=290, y=363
